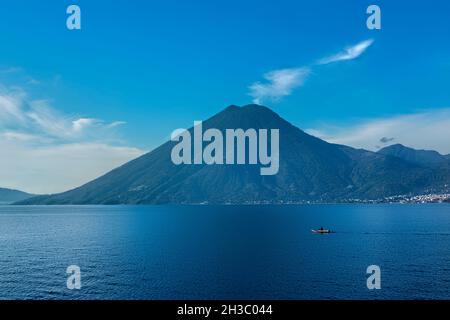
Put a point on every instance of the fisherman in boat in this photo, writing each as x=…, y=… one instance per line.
x=321, y=230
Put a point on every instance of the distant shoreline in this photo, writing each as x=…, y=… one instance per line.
x=227, y=204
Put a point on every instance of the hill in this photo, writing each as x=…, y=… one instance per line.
x=8, y=196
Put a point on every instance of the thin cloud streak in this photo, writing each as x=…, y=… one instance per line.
x=349, y=53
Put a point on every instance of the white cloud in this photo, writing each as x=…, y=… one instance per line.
x=279, y=83
x=349, y=53
x=19, y=136
x=10, y=108
x=81, y=124
x=429, y=130
x=116, y=124
x=45, y=151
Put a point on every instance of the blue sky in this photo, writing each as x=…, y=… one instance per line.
x=140, y=69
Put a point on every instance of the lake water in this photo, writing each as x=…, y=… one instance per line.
x=225, y=252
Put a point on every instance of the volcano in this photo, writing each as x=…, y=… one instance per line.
x=310, y=170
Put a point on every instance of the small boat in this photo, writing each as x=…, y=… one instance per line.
x=321, y=231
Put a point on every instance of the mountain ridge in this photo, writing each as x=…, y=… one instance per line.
x=422, y=157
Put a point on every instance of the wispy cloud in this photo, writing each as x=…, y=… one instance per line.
x=47, y=151
x=282, y=82
x=349, y=53
x=9, y=70
x=279, y=83
x=20, y=114
x=422, y=130
x=40, y=167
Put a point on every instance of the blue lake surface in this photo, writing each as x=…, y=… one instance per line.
x=225, y=252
